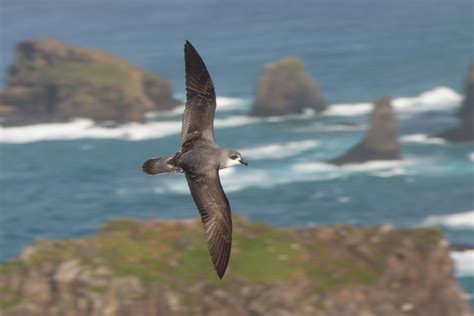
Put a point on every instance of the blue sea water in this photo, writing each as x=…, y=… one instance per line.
x=64, y=180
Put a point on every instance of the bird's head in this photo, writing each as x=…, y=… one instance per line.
x=233, y=158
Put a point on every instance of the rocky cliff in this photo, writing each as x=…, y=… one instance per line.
x=163, y=268
x=53, y=81
x=284, y=87
x=381, y=141
x=465, y=131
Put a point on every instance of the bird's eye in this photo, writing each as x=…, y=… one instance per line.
x=234, y=157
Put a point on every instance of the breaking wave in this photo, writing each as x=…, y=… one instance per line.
x=224, y=104
x=441, y=98
x=86, y=128
x=463, y=220
x=326, y=167
x=421, y=138
x=464, y=262
x=278, y=150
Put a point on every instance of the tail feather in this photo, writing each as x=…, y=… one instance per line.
x=157, y=166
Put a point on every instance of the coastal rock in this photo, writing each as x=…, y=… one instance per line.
x=465, y=131
x=54, y=81
x=327, y=271
x=284, y=87
x=381, y=141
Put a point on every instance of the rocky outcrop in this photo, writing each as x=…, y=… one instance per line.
x=465, y=131
x=53, y=81
x=284, y=87
x=158, y=267
x=381, y=141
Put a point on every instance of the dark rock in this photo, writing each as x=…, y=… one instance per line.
x=53, y=81
x=381, y=141
x=284, y=87
x=465, y=131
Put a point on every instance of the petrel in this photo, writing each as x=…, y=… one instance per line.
x=200, y=158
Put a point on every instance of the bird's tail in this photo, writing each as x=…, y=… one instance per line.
x=156, y=166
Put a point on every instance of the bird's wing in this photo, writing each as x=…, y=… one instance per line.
x=198, y=117
x=214, y=208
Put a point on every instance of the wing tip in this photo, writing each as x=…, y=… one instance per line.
x=220, y=274
x=188, y=47
x=221, y=261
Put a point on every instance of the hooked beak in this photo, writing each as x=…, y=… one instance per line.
x=243, y=162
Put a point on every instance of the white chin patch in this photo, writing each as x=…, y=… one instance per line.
x=232, y=162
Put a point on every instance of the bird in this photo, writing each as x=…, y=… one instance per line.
x=200, y=159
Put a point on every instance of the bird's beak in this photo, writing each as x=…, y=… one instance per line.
x=243, y=162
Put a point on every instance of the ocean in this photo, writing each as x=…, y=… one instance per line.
x=63, y=180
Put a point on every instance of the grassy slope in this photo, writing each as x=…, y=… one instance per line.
x=174, y=253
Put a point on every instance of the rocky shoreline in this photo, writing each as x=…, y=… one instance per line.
x=51, y=81
x=157, y=267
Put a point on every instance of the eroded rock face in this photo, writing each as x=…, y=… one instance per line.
x=284, y=87
x=465, y=131
x=158, y=267
x=53, y=81
x=381, y=141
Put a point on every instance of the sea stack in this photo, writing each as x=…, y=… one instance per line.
x=381, y=141
x=284, y=87
x=465, y=131
x=54, y=81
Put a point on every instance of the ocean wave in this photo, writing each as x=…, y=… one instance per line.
x=367, y=166
x=441, y=98
x=85, y=128
x=278, y=150
x=239, y=179
x=464, y=262
x=231, y=179
x=352, y=109
x=471, y=156
x=231, y=104
x=224, y=104
x=395, y=172
x=421, y=138
x=463, y=220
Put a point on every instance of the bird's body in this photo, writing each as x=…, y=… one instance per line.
x=200, y=158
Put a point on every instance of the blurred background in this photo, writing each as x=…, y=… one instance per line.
x=65, y=172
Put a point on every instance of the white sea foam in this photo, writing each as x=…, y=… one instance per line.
x=238, y=179
x=367, y=166
x=230, y=104
x=223, y=104
x=278, y=150
x=464, y=262
x=85, y=128
x=471, y=156
x=421, y=138
x=398, y=171
x=463, y=220
x=235, y=120
x=231, y=179
x=441, y=98
x=351, y=109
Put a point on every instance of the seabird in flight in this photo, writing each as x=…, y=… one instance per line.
x=200, y=158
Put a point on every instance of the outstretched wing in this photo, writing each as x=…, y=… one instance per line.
x=214, y=208
x=198, y=117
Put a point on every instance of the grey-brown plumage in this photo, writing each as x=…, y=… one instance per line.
x=201, y=159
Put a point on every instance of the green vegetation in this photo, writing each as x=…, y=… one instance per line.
x=8, y=298
x=175, y=252
x=291, y=64
x=67, y=74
